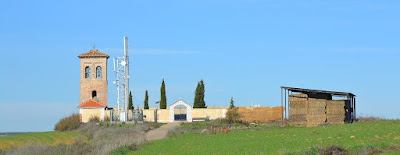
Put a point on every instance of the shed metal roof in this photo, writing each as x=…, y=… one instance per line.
x=302, y=90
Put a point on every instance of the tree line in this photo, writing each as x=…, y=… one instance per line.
x=198, y=97
x=197, y=103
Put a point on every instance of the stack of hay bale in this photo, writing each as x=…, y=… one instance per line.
x=260, y=114
x=316, y=112
x=298, y=109
x=307, y=111
x=335, y=111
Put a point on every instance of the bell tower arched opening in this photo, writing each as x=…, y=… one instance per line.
x=94, y=94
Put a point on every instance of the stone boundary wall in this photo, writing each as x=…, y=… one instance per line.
x=163, y=115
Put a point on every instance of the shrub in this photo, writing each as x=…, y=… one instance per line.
x=68, y=123
x=232, y=115
x=320, y=150
x=107, y=119
x=102, y=140
x=370, y=119
x=94, y=119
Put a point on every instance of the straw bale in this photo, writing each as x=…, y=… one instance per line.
x=316, y=111
x=314, y=124
x=335, y=107
x=335, y=123
x=298, y=95
x=295, y=111
x=316, y=103
x=334, y=111
x=298, y=104
x=297, y=123
x=316, y=118
x=298, y=117
x=336, y=102
x=291, y=99
x=335, y=118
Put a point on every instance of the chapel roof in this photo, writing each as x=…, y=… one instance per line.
x=93, y=53
x=91, y=103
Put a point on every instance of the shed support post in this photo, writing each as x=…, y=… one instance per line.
x=282, y=107
x=354, y=108
x=285, y=104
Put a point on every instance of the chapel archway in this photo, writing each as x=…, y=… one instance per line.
x=180, y=115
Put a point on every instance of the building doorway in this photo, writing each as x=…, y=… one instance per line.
x=183, y=111
x=180, y=113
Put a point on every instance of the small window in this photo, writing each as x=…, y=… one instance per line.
x=87, y=72
x=98, y=72
x=94, y=94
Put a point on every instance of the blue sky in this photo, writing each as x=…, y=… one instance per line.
x=244, y=49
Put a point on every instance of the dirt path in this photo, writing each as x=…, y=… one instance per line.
x=161, y=132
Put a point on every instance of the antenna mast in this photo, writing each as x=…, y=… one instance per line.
x=121, y=69
x=126, y=77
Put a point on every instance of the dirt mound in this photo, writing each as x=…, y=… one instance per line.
x=260, y=114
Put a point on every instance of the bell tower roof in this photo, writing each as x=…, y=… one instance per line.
x=93, y=53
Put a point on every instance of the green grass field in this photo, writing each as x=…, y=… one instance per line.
x=45, y=138
x=275, y=140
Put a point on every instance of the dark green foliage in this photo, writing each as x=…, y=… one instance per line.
x=232, y=104
x=199, y=96
x=146, y=101
x=232, y=116
x=196, y=96
x=68, y=123
x=121, y=150
x=130, y=101
x=125, y=149
x=163, y=101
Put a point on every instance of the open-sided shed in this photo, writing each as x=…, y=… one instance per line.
x=311, y=107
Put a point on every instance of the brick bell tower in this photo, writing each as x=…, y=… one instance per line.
x=93, y=83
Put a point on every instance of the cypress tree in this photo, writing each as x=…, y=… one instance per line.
x=130, y=107
x=163, y=101
x=199, y=96
x=232, y=104
x=146, y=101
x=202, y=90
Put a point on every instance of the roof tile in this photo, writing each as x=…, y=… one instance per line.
x=93, y=53
x=91, y=103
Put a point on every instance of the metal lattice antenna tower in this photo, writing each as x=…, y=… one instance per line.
x=121, y=66
x=94, y=45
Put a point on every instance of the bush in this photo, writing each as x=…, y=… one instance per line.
x=94, y=119
x=320, y=150
x=68, y=123
x=370, y=119
x=102, y=141
x=232, y=115
x=107, y=119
